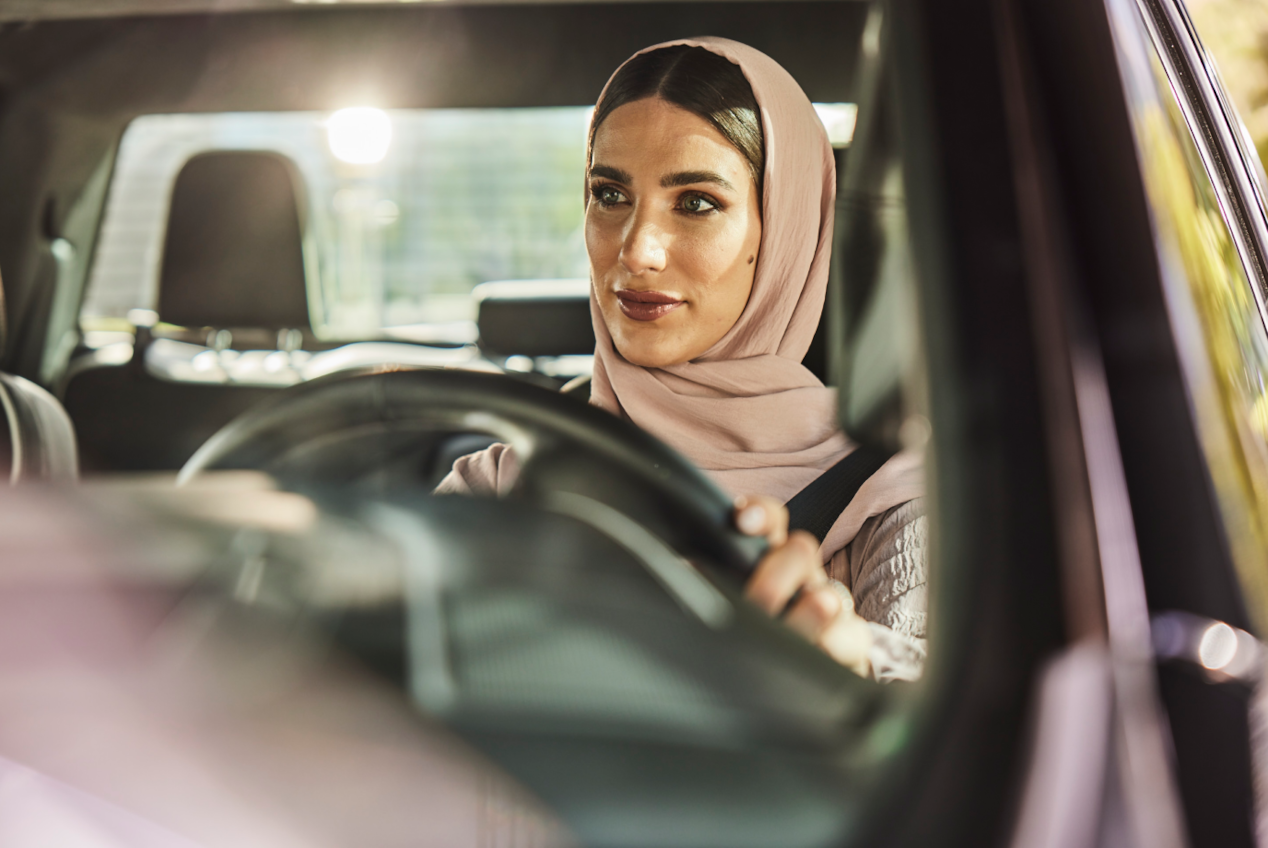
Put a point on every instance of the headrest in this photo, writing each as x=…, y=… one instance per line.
x=535, y=317
x=233, y=255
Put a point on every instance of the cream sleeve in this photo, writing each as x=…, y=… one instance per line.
x=885, y=568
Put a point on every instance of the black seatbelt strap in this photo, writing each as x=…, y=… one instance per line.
x=817, y=507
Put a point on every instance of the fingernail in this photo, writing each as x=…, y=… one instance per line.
x=751, y=520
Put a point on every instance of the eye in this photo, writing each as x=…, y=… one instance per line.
x=607, y=195
x=697, y=204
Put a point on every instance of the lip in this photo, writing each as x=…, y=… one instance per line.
x=647, y=305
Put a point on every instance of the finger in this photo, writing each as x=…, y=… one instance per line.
x=848, y=640
x=814, y=612
x=784, y=571
x=759, y=515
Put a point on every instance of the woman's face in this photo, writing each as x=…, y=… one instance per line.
x=673, y=226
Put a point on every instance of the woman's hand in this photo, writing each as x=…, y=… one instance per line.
x=792, y=569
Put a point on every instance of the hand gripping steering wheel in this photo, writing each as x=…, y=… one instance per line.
x=574, y=457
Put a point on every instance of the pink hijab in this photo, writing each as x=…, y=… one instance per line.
x=747, y=411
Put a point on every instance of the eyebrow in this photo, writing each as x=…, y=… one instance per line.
x=682, y=178
x=685, y=178
x=609, y=173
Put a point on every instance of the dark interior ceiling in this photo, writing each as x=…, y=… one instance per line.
x=68, y=87
x=31, y=10
x=481, y=55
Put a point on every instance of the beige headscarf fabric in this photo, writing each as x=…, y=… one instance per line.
x=748, y=412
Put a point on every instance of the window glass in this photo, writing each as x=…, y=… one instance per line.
x=1235, y=32
x=1219, y=323
x=408, y=209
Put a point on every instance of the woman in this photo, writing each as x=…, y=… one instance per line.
x=710, y=192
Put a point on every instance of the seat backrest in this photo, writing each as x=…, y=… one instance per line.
x=232, y=260
x=534, y=317
x=233, y=253
x=41, y=444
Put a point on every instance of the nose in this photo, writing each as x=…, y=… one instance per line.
x=643, y=250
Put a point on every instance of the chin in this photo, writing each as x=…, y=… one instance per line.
x=651, y=360
x=649, y=356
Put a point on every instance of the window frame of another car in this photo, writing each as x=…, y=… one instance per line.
x=1158, y=48
x=1093, y=259
x=1233, y=169
x=1219, y=134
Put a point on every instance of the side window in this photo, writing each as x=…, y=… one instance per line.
x=1217, y=312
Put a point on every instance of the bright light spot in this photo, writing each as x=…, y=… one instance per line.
x=1218, y=646
x=359, y=136
x=838, y=119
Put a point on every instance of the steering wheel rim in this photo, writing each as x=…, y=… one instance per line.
x=560, y=442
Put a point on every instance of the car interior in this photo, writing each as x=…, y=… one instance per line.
x=203, y=290
x=217, y=350
x=234, y=276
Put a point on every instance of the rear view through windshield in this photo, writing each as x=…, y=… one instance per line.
x=408, y=209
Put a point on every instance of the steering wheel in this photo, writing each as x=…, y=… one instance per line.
x=574, y=457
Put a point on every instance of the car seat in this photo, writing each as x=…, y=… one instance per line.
x=38, y=443
x=41, y=438
x=232, y=269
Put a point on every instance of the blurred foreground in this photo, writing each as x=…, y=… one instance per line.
x=141, y=708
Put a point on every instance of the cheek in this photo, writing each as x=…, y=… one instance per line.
x=718, y=261
x=603, y=255
x=711, y=258
x=602, y=244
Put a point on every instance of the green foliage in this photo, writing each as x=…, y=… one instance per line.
x=1235, y=33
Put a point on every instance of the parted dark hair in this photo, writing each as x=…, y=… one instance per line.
x=700, y=81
